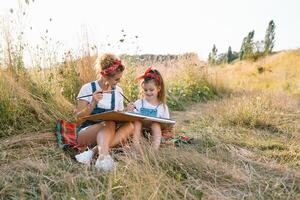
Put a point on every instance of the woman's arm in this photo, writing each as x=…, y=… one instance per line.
x=85, y=108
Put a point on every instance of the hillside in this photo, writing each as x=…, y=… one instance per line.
x=244, y=122
x=278, y=72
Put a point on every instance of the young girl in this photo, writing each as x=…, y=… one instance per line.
x=106, y=96
x=152, y=103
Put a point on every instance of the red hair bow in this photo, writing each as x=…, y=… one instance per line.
x=112, y=68
x=149, y=75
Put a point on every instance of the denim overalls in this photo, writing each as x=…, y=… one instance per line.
x=148, y=111
x=97, y=109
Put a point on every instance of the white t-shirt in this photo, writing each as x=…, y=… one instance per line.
x=105, y=103
x=162, y=110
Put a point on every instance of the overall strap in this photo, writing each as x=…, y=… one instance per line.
x=93, y=84
x=142, y=103
x=113, y=99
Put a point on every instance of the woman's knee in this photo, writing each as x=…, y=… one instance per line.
x=137, y=125
x=110, y=124
x=86, y=137
x=131, y=126
x=155, y=125
x=128, y=127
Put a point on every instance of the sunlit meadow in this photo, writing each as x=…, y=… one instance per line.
x=244, y=119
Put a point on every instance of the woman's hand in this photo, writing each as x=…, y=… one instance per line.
x=84, y=108
x=130, y=107
x=98, y=95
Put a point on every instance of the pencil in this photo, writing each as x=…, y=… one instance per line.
x=128, y=100
x=93, y=94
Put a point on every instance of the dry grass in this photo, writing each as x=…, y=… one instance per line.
x=26, y=106
x=245, y=145
x=226, y=160
x=277, y=72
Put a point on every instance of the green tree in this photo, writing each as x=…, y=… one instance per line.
x=269, y=38
x=229, y=55
x=246, y=51
x=212, y=57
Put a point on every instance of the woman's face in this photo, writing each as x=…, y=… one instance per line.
x=114, y=80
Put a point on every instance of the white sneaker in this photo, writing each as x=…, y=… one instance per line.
x=106, y=164
x=85, y=157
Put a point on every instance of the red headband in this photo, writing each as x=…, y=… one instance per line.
x=111, y=69
x=149, y=75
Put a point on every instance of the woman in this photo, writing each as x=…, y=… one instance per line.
x=106, y=96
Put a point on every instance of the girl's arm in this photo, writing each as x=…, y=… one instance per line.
x=130, y=107
x=134, y=107
x=164, y=112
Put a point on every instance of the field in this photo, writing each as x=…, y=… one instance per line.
x=244, y=119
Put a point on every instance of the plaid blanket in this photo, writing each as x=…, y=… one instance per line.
x=174, y=138
x=66, y=135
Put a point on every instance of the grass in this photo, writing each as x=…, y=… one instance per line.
x=278, y=72
x=28, y=107
x=226, y=161
x=245, y=143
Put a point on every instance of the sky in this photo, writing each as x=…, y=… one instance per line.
x=159, y=26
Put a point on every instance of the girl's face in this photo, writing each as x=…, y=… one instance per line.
x=150, y=91
x=114, y=80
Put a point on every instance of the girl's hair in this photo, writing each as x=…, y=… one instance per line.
x=154, y=76
x=110, y=65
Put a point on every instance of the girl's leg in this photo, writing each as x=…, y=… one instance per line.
x=156, y=132
x=137, y=136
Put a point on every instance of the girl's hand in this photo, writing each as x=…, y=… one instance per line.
x=98, y=95
x=130, y=106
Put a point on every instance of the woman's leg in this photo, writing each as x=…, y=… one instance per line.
x=122, y=134
x=156, y=132
x=102, y=134
x=104, y=137
x=89, y=136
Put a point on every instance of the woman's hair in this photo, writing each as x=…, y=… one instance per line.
x=154, y=76
x=110, y=65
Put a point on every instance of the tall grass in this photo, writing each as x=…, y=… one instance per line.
x=44, y=177
x=185, y=78
x=189, y=83
x=266, y=121
x=27, y=107
x=35, y=98
x=260, y=110
x=226, y=160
